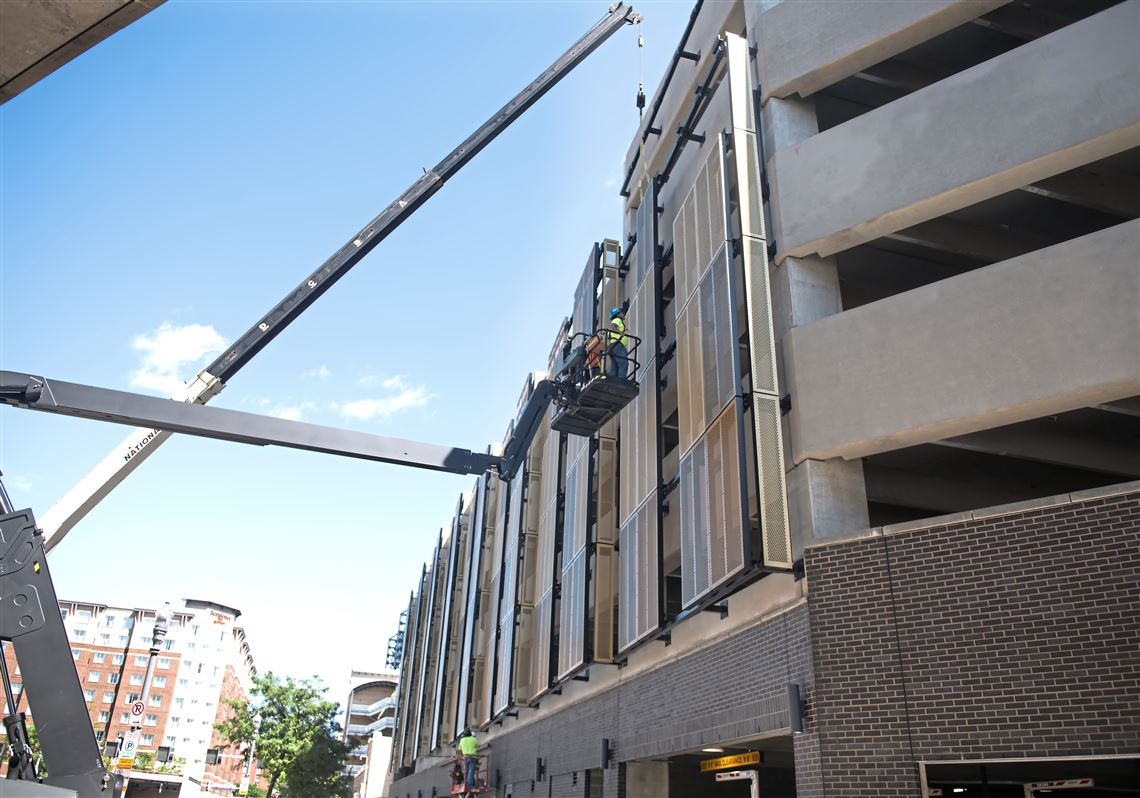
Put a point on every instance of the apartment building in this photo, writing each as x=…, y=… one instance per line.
x=870, y=526
x=203, y=660
x=370, y=722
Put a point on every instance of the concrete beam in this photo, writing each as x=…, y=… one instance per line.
x=962, y=238
x=1043, y=442
x=1049, y=106
x=942, y=493
x=1117, y=194
x=897, y=75
x=1125, y=407
x=805, y=47
x=1048, y=332
x=37, y=37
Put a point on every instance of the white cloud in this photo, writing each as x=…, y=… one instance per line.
x=386, y=406
x=292, y=412
x=610, y=182
x=169, y=351
x=19, y=483
x=319, y=373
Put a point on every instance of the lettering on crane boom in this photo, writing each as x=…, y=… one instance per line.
x=734, y=761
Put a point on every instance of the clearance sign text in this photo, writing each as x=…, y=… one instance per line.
x=735, y=761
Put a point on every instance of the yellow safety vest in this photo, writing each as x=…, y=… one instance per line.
x=619, y=337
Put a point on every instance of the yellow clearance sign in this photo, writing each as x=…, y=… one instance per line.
x=735, y=761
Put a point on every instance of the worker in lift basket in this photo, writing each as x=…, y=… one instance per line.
x=619, y=345
x=468, y=747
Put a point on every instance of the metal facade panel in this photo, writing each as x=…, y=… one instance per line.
x=448, y=686
x=432, y=640
x=572, y=612
x=775, y=529
x=445, y=662
x=540, y=648
x=404, y=689
x=473, y=551
x=639, y=610
x=487, y=619
x=638, y=465
x=604, y=605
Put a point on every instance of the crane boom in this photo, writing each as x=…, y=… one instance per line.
x=142, y=442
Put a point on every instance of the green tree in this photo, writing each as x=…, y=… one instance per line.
x=298, y=743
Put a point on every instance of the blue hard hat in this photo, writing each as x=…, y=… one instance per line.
x=615, y=312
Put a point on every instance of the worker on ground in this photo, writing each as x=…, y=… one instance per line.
x=618, y=350
x=468, y=746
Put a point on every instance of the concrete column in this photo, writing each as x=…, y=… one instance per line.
x=785, y=123
x=646, y=779
x=804, y=290
x=826, y=499
x=613, y=781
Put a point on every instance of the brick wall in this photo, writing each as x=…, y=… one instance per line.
x=732, y=689
x=1014, y=635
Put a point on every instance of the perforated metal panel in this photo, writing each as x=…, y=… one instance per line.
x=445, y=672
x=487, y=619
x=427, y=658
x=769, y=462
x=540, y=649
x=572, y=616
x=639, y=445
x=474, y=559
x=639, y=610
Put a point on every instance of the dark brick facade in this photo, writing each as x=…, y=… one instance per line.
x=1014, y=635
x=732, y=689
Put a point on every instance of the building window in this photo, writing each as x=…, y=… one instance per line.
x=104, y=716
x=63, y=613
x=169, y=644
x=178, y=702
x=98, y=657
x=100, y=735
x=183, y=682
x=140, y=659
x=125, y=717
x=160, y=681
x=122, y=640
x=75, y=654
x=113, y=678
x=88, y=695
x=17, y=688
x=170, y=740
x=94, y=676
x=194, y=630
x=164, y=662
x=117, y=659
x=136, y=679
x=131, y=698
x=83, y=615
x=108, y=620
x=151, y=720
x=79, y=634
x=191, y=645
x=128, y=622
x=104, y=639
x=155, y=700
x=108, y=698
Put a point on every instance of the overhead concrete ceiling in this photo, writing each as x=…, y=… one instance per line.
x=37, y=37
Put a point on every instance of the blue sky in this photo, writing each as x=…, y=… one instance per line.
x=162, y=191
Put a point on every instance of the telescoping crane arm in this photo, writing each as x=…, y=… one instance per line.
x=114, y=468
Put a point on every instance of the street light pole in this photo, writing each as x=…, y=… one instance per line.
x=162, y=620
x=243, y=788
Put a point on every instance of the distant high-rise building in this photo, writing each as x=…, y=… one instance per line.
x=203, y=660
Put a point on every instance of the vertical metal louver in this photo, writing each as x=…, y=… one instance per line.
x=486, y=620
x=638, y=560
x=545, y=549
x=775, y=531
x=575, y=532
x=429, y=661
x=473, y=557
x=447, y=684
x=400, y=734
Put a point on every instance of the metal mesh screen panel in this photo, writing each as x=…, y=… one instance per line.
x=639, y=445
x=760, y=334
x=604, y=602
x=773, y=493
x=639, y=611
x=572, y=616
x=540, y=650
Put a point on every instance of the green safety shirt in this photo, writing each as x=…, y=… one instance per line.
x=619, y=337
x=468, y=745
